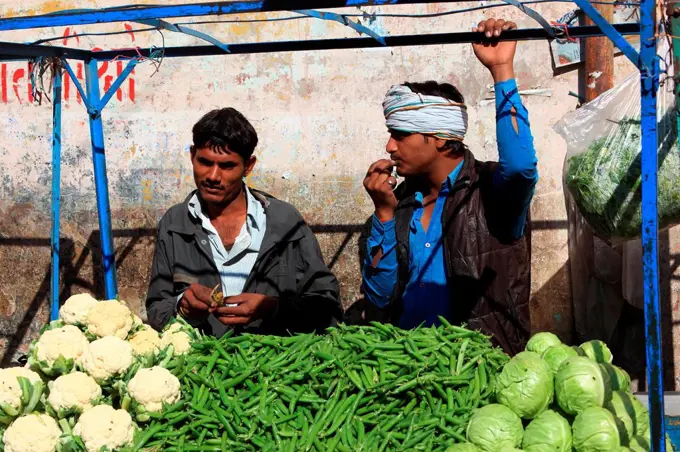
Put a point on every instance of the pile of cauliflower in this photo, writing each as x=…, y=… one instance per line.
x=91, y=377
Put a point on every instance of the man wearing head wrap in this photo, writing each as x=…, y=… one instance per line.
x=450, y=241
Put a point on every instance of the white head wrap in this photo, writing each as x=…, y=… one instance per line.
x=406, y=111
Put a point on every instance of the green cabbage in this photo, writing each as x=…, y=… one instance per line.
x=597, y=351
x=643, y=444
x=540, y=342
x=525, y=385
x=549, y=432
x=595, y=430
x=495, y=427
x=631, y=413
x=557, y=354
x=619, y=378
x=462, y=447
x=579, y=384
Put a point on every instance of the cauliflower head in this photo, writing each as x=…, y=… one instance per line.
x=153, y=387
x=145, y=342
x=104, y=426
x=32, y=433
x=58, y=349
x=10, y=390
x=76, y=308
x=109, y=318
x=74, y=392
x=180, y=340
x=107, y=358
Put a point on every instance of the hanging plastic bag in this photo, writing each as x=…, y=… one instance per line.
x=603, y=162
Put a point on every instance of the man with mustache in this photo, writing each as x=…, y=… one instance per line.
x=234, y=257
x=450, y=240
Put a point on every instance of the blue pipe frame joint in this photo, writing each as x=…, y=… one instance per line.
x=56, y=191
x=648, y=63
x=95, y=104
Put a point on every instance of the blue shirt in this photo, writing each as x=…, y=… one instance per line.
x=427, y=295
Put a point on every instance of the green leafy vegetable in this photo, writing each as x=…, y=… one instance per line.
x=540, y=342
x=579, y=384
x=597, y=351
x=557, y=354
x=606, y=185
x=595, y=430
x=549, y=432
x=526, y=385
x=495, y=427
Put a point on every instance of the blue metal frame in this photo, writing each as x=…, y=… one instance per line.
x=647, y=63
x=56, y=190
x=196, y=10
x=645, y=60
x=19, y=51
x=649, y=85
x=100, y=179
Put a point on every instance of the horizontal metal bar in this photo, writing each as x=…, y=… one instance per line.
x=120, y=14
x=359, y=43
x=14, y=51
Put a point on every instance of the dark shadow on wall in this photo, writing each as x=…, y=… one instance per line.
x=70, y=275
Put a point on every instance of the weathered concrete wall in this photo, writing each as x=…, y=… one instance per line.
x=319, y=119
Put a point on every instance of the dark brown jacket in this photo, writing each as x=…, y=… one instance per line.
x=488, y=271
x=289, y=266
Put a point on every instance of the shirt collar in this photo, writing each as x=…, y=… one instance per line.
x=446, y=185
x=254, y=208
x=451, y=178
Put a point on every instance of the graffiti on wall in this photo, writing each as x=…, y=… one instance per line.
x=16, y=86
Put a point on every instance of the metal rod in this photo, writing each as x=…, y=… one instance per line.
x=356, y=43
x=9, y=49
x=116, y=84
x=64, y=18
x=101, y=183
x=56, y=189
x=76, y=82
x=327, y=44
x=649, y=85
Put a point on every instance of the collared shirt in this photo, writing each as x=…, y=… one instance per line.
x=427, y=295
x=236, y=264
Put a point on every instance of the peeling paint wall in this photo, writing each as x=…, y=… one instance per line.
x=318, y=115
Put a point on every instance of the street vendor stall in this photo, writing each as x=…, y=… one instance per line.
x=375, y=387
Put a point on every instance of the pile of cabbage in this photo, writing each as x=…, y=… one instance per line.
x=92, y=379
x=557, y=398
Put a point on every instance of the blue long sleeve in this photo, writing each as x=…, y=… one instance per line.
x=379, y=281
x=516, y=176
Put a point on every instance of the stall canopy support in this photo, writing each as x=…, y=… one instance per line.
x=95, y=104
x=56, y=188
x=647, y=62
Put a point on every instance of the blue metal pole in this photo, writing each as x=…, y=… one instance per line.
x=100, y=180
x=56, y=189
x=649, y=81
x=104, y=15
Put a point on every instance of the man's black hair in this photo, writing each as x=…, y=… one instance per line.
x=447, y=91
x=225, y=129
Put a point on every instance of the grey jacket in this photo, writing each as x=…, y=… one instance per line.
x=289, y=266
